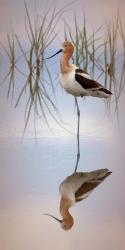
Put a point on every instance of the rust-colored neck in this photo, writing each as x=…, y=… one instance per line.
x=65, y=65
x=64, y=210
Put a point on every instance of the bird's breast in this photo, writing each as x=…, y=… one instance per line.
x=70, y=185
x=69, y=83
x=67, y=192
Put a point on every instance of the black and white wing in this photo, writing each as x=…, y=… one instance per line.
x=87, y=187
x=84, y=79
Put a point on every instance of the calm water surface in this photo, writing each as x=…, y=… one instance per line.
x=30, y=174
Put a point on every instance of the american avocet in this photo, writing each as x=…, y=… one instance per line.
x=75, y=188
x=75, y=80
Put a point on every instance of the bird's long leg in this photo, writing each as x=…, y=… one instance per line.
x=78, y=125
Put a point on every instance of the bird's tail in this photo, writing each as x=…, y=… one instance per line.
x=100, y=174
x=106, y=91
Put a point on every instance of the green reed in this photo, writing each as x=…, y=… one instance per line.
x=99, y=54
x=96, y=53
x=40, y=100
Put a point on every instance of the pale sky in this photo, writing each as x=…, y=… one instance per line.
x=97, y=12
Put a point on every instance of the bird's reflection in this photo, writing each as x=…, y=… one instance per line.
x=75, y=188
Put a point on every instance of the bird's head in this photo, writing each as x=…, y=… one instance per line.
x=66, y=224
x=67, y=48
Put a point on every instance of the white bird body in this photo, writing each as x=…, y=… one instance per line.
x=72, y=87
x=77, y=81
x=71, y=186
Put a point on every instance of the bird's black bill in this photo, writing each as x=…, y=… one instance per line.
x=60, y=221
x=54, y=54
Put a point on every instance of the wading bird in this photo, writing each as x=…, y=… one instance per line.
x=77, y=82
x=75, y=188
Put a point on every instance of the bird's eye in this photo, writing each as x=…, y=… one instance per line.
x=65, y=45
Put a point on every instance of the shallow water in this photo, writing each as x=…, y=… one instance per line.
x=30, y=174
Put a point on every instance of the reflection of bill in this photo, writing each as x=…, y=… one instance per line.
x=75, y=188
